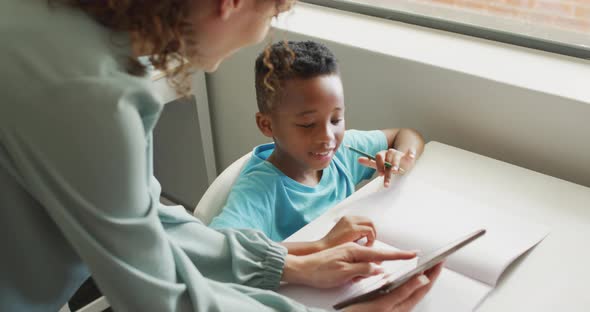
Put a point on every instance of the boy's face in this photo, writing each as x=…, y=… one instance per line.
x=307, y=123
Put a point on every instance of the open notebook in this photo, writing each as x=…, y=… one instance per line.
x=415, y=215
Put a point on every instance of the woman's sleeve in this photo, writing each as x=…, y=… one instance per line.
x=242, y=256
x=86, y=160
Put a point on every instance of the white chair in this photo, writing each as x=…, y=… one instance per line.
x=214, y=198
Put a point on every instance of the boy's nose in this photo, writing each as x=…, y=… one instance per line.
x=326, y=135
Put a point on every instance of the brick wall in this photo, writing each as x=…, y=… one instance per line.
x=573, y=15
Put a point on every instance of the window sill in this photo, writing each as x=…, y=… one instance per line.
x=545, y=72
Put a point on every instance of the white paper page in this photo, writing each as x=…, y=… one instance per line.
x=452, y=291
x=416, y=215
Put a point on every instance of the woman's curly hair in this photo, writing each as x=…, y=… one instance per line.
x=163, y=26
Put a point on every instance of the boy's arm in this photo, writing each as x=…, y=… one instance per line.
x=405, y=146
x=405, y=140
x=303, y=248
x=347, y=229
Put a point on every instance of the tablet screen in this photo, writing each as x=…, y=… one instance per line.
x=390, y=281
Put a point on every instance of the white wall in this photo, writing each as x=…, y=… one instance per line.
x=540, y=126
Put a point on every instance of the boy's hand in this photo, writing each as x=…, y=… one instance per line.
x=349, y=229
x=403, y=160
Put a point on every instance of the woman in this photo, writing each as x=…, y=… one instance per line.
x=78, y=192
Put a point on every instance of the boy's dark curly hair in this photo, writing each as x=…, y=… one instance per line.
x=287, y=60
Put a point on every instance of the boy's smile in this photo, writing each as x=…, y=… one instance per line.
x=322, y=156
x=307, y=125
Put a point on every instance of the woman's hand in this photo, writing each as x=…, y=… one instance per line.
x=349, y=229
x=338, y=265
x=401, y=162
x=405, y=297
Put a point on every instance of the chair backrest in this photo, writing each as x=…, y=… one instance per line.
x=214, y=198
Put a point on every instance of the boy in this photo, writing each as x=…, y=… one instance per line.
x=288, y=183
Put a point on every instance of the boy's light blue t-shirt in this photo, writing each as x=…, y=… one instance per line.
x=266, y=199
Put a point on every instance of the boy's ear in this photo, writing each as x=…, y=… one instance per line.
x=264, y=123
x=228, y=7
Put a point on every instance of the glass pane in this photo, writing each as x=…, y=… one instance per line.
x=562, y=21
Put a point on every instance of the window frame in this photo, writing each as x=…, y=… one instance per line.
x=513, y=38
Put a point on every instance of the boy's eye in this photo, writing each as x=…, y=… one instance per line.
x=336, y=121
x=305, y=125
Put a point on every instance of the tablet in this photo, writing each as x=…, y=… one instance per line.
x=386, y=284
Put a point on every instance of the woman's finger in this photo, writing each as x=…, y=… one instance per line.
x=435, y=271
x=370, y=254
x=419, y=294
x=356, y=271
x=405, y=297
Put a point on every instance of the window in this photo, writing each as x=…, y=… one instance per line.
x=561, y=26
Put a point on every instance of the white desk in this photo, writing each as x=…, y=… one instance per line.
x=555, y=275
